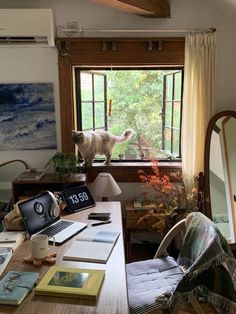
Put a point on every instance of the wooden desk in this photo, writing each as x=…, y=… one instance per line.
x=113, y=297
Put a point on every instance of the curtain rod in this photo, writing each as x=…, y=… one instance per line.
x=81, y=30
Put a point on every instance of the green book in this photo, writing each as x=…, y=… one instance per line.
x=71, y=282
x=15, y=286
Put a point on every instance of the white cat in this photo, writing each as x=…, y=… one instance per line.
x=91, y=143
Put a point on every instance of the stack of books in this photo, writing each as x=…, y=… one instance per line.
x=139, y=205
x=31, y=175
x=11, y=239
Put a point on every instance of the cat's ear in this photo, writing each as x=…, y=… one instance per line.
x=74, y=132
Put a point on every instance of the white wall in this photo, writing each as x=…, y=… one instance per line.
x=30, y=65
x=40, y=65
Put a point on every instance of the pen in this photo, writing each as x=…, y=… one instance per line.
x=100, y=223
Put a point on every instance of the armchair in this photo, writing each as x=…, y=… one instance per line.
x=200, y=278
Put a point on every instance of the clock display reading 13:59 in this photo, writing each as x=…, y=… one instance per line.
x=78, y=198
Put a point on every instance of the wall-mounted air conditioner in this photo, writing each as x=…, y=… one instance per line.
x=24, y=27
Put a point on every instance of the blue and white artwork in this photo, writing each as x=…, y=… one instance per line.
x=27, y=116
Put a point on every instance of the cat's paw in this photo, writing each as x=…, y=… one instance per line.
x=88, y=164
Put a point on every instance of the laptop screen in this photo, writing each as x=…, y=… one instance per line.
x=36, y=213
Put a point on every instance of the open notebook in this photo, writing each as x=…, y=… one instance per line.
x=92, y=246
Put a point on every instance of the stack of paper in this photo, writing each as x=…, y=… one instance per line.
x=11, y=239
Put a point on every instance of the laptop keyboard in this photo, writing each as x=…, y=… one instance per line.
x=52, y=230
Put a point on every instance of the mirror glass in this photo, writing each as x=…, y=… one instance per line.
x=222, y=170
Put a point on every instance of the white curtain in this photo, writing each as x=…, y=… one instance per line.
x=198, y=100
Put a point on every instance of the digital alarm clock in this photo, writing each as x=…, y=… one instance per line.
x=78, y=198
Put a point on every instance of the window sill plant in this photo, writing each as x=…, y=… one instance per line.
x=64, y=164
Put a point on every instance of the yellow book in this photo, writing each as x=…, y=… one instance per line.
x=71, y=282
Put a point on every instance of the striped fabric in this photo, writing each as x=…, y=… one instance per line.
x=151, y=283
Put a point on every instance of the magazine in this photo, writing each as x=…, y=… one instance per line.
x=5, y=256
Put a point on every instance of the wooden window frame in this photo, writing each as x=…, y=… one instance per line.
x=92, y=52
x=92, y=100
x=173, y=100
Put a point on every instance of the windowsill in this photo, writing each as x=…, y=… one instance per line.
x=128, y=171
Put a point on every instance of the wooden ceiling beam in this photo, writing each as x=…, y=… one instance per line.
x=146, y=8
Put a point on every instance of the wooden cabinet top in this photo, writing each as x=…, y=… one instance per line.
x=51, y=177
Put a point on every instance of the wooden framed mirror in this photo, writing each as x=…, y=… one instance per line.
x=220, y=173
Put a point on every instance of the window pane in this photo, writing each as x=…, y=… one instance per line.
x=86, y=86
x=178, y=83
x=99, y=87
x=167, y=140
x=99, y=115
x=136, y=98
x=177, y=113
x=168, y=113
x=176, y=142
x=87, y=116
x=169, y=87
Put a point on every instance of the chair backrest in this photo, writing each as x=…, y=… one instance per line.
x=9, y=170
x=171, y=234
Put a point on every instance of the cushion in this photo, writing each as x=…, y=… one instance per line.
x=151, y=283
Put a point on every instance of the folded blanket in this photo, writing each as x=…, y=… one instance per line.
x=209, y=264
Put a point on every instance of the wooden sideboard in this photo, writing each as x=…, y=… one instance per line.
x=113, y=298
x=49, y=181
x=132, y=226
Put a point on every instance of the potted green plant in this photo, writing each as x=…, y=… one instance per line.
x=64, y=164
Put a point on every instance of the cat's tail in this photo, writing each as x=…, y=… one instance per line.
x=125, y=136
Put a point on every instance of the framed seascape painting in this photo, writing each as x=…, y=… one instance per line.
x=27, y=117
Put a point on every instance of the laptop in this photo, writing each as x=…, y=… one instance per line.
x=37, y=219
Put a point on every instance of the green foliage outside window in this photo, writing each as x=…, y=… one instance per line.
x=136, y=103
x=136, y=98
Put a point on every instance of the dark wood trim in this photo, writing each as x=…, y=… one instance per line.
x=207, y=208
x=67, y=103
x=128, y=172
x=108, y=52
x=201, y=192
x=150, y=8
